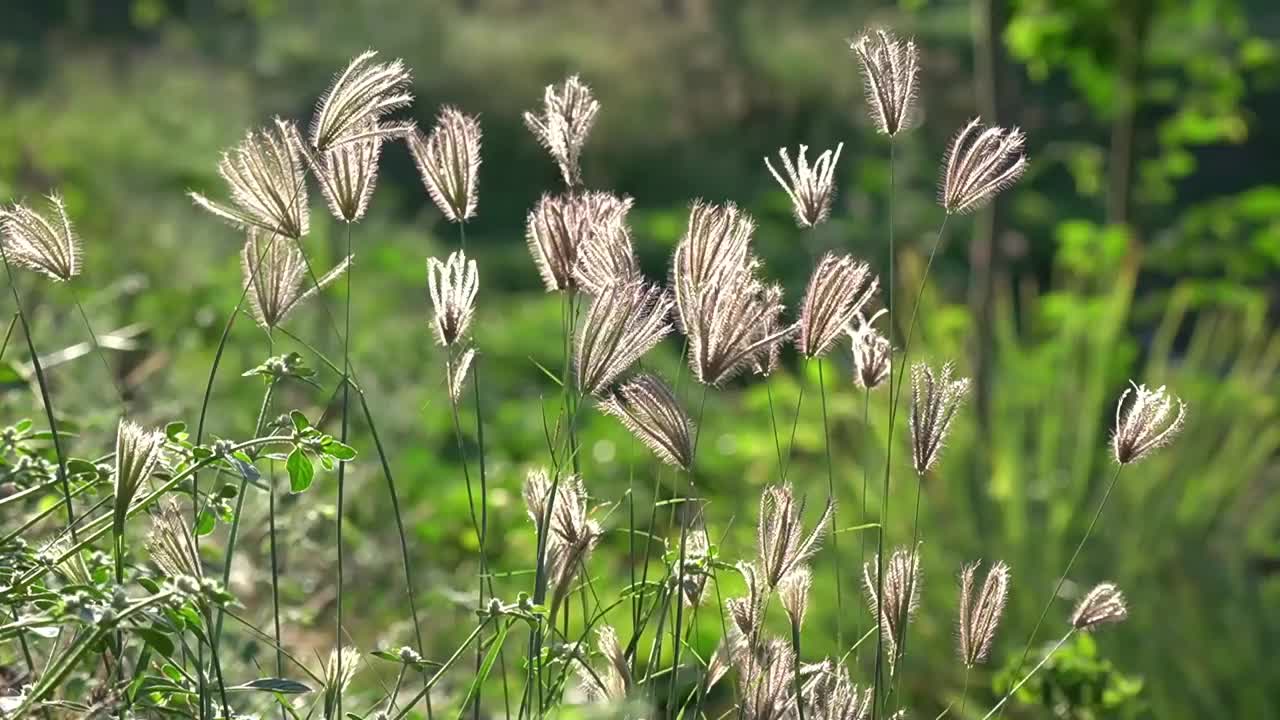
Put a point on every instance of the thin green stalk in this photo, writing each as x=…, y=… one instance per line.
x=964, y=694
x=342, y=475
x=684, y=536
x=275, y=575
x=866, y=473
x=831, y=500
x=440, y=673
x=1023, y=681
x=8, y=333
x=884, y=501
x=97, y=346
x=795, y=648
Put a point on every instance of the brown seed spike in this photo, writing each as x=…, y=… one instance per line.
x=838, y=289
x=1147, y=424
x=810, y=187
x=980, y=164
x=980, y=616
x=649, y=409
x=889, y=69
x=448, y=161
x=1103, y=604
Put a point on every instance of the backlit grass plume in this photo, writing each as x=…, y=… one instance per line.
x=783, y=545
x=571, y=535
x=767, y=681
x=568, y=112
x=1146, y=424
x=1101, y=605
x=901, y=585
x=872, y=353
x=717, y=241
x=348, y=173
x=266, y=175
x=275, y=272
x=829, y=694
x=838, y=289
x=338, y=673
x=810, y=187
x=747, y=612
x=650, y=410
x=621, y=325
x=793, y=591
x=980, y=615
x=448, y=160
x=138, y=452
x=606, y=258
x=890, y=69
x=613, y=683
x=559, y=225
x=47, y=245
x=357, y=99
x=172, y=544
x=452, y=285
x=934, y=402
x=980, y=163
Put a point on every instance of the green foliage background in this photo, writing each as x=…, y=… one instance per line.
x=1144, y=243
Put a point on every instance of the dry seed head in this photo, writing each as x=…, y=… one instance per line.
x=1147, y=424
x=650, y=410
x=357, y=99
x=275, y=272
x=622, y=324
x=980, y=164
x=901, y=594
x=747, y=612
x=449, y=162
x=568, y=112
x=572, y=538
x=266, y=174
x=1103, y=604
x=614, y=684
x=980, y=616
x=838, y=289
x=793, y=590
x=606, y=257
x=810, y=187
x=782, y=543
x=769, y=326
x=890, y=68
x=338, y=672
x=872, y=353
x=138, y=452
x=717, y=241
x=45, y=245
x=829, y=694
x=452, y=285
x=692, y=574
x=172, y=544
x=934, y=401
x=560, y=225
x=768, y=682
x=458, y=370
x=347, y=173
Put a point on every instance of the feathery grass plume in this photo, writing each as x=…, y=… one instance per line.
x=347, y=172
x=837, y=291
x=606, y=257
x=650, y=410
x=452, y=285
x=571, y=537
x=980, y=164
x=276, y=288
x=890, y=67
x=138, y=451
x=934, y=401
x=747, y=612
x=1146, y=425
x=692, y=573
x=621, y=325
x=449, y=162
x=34, y=242
x=568, y=112
x=458, y=371
x=1103, y=604
x=767, y=681
x=614, y=684
x=172, y=544
x=717, y=241
x=810, y=187
x=783, y=546
x=901, y=594
x=829, y=694
x=980, y=617
x=362, y=94
x=872, y=353
x=267, y=178
x=722, y=660
x=793, y=590
x=560, y=225
x=766, y=361
x=338, y=673
x=73, y=569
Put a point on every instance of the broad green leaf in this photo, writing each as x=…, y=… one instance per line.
x=301, y=472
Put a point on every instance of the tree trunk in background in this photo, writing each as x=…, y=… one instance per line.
x=1131, y=41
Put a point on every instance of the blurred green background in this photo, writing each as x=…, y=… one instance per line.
x=1144, y=243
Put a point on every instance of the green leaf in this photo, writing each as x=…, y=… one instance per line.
x=205, y=523
x=340, y=450
x=276, y=685
x=78, y=466
x=489, y=659
x=176, y=431
x=156, y=639
x=301, y=472
x=171, y=671
x=9, y=374
x=300, y=422
x=150, y=585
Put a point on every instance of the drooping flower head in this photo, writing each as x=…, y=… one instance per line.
x=266, y=174
x=275, y=272
x=452, y=285
x=622, y=324
x=560, y=225
x=649, y=409
x=980, y=615
x=1147, y=424
x=810, y=187
x=872, y=353
x=358, y=99
x=980, y=164
x=570, y=534
x=838, y=289
x=934, y=402
x=890, y=67
x=48, y=246
x=448, y=160
x=568, y=112
x=613, y=684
